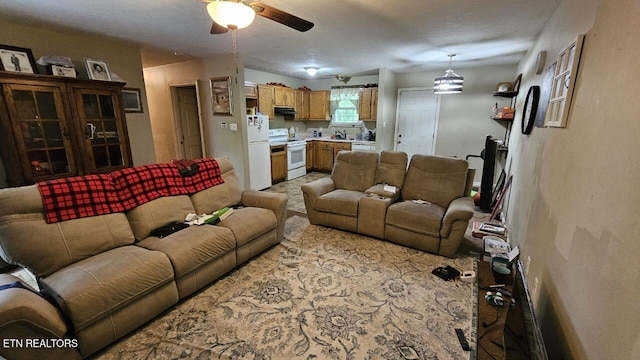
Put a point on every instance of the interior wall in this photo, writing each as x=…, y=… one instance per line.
x=218, y=141
x=123, y=59
x=574, y=203
x=462, y=129
x=387, y=105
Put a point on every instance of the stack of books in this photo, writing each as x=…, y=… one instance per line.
x=481, y=229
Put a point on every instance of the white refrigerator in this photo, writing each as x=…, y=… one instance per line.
x=259, y=152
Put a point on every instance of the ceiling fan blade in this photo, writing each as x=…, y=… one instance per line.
x=280, y=16
x=218, y=29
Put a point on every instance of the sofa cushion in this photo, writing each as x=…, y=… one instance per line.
x=436, y=179
x=418, y=218
x=96, y=287
x=391, y=168
x=28, y=241
x=159, y=212
x=355, y=170
x=341, y=202
x=219, y=196
x=190, y=248
x=249, y=223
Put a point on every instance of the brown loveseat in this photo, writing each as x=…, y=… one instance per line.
x=106, y=275
x=430, y=209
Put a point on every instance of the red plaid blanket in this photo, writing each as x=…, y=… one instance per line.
x=122, y=190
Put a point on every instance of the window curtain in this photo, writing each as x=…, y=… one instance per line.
x=344, y=103
x=344, y=93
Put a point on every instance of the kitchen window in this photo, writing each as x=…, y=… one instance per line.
x=344, y=104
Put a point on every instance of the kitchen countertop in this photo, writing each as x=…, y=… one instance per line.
x=324, y=139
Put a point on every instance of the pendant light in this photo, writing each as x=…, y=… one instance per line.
x=232, y=15
x=450, y=83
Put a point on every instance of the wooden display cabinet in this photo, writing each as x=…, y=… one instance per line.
x=54, y=127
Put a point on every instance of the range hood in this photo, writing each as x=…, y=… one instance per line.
x=284, y=111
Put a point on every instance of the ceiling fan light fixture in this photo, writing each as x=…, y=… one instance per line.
x=231, y=14
x=450, y=83
x=345, y=79
x=311, y=70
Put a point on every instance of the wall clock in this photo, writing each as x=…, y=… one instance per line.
x=530, y=109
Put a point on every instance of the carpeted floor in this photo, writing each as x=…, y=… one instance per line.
x=320, y=294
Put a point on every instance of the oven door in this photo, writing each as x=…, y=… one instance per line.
x=296, y=155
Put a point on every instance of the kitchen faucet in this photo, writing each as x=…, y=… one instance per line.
x=343, y=135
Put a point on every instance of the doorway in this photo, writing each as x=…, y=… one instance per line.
x=417, y=122
x=187, y=121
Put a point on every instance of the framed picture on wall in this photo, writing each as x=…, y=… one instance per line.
x=221, y=95
x=17, y=59
x=132, y=100
x=545, y=93
x=97, y=69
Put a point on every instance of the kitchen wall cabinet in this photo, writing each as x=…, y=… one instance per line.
x=55, y=127
x=368, y=104
x=319, y=105
x=278, y=163
x=301, y=104
x=265, y=100
x=250, y=90
x=283, y=96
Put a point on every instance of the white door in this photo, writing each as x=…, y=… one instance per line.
x=417, y=121
x=189, y=131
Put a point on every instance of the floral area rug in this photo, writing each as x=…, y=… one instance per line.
x=321, y=294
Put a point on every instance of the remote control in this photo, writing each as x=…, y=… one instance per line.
x=463, y=340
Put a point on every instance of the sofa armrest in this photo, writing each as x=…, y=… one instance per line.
x=314, y=189
x=460, y=209
x=275, y=202
x=25, y=315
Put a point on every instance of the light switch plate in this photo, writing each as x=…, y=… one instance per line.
x=233, y=127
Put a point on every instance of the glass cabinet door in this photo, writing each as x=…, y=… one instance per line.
x=41, y=131
x=103, y=129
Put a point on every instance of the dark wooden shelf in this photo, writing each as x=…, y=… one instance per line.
x=506, y=94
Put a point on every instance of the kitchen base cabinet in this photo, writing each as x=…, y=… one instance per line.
x=54, y=127
x=278, y=163
x=324, y=156
x=310, y=155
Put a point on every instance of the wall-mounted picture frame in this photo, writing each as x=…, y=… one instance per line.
x=17, y=59
x=221, y=96
x=97, y=69
x=132, y=100
x=57, y=70
x=564, y=80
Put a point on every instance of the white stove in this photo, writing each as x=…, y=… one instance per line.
x=296, y=152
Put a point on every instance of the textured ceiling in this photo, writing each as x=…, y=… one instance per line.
x=352, y=37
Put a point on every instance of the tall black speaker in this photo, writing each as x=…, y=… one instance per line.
x=488, y=169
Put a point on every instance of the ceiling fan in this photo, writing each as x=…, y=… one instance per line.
x=230, y=14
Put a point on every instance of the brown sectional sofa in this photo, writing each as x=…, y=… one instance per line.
x=429, y=211
x=106, y=275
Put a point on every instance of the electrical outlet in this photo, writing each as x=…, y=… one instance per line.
x=223, y=125
x=526, y=266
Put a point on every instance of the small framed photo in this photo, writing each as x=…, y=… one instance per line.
x=17, y=59
x=221, y=95
x=57, y=70
x=97, y=69
x=132, y=100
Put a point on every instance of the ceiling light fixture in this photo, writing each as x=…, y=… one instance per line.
x=311, y=70
x=450, y=83
x=232, y=15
